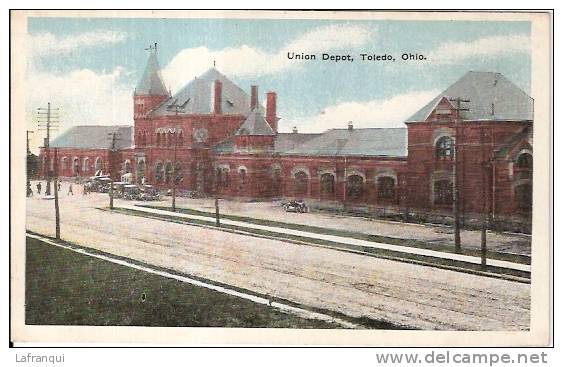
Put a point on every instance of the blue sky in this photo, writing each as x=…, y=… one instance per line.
x=89, y=66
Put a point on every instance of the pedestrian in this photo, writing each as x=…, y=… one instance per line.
x=29, y=191
x=39, y=188
x=59, y=186
x=84, y=189
x=70, y=190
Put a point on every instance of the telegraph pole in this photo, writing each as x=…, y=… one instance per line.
x=28, y=154
x=174, y=169
x=459, y=109
x=114, y=136
x=56, y=188
x=47, y=118
x=485, y=198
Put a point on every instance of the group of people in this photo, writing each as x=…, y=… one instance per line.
x=39, y=187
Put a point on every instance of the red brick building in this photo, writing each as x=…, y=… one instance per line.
x=214, y=138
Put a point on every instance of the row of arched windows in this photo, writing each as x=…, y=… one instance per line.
x=355, y=186
x=162, y=139
x=169, y=139
x=77, y=166
x=164, y=172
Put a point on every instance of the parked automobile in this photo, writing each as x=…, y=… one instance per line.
x=149, y=193
x=295, y=206
x=118, y=189
x=131, y=192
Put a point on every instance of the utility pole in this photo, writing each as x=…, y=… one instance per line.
x=176, y=133
x=114, y=136
x=56, y=189
x=485, y=198
x=459, y=109
x=28, y=154
x=217, y=220
x=47, y=119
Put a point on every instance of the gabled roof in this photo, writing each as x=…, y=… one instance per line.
x=151, y=83
x=196, y=97
x=255, y=124
x=286, y=142
x=484, y=89
x=364, y=142
x=94, y=137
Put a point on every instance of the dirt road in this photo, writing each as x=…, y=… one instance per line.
x=356, y=285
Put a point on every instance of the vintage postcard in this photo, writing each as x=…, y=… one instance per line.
x=335, y=178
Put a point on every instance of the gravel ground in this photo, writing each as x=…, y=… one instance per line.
x=443, y=235
x=417, y=296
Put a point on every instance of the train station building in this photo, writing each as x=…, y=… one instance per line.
x=219, y=139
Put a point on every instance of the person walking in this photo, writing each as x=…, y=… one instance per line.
x=38, y=188
x=70, y=190
x=59, y=186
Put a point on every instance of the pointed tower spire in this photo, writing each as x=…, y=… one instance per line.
x=151, y=84
x=151, y=90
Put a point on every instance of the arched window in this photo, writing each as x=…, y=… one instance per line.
x=222, y=176
x=301, y=184
x=64, y=163
x=75, y=166
x=355, y=187
x=145, y=138
x=181, y=139
x=85, y=165
x=276, y=180
x=158, y=172
x=444, y=148
x=141, y=166
x=386, y=187
x=168, y=172
x=52, y=164
x=178, y=172
x=327, y=184
x=523, y=196
x=127, y=166
x=242, y=178
x=158, y=137
x=524, y=161
x=98, y=164
x=443, y=192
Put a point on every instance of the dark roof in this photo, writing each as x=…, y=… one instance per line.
x=483, y=89
x=94, y=137
x=255, y=124
x=365, y=142
x=285, y=142
x=151, y=83
x=196, y=97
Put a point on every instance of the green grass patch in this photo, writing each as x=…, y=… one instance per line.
x=67, y=288
x=443, y=263
x=521, y=259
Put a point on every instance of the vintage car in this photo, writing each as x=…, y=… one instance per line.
x=295, y=206
x=149, y=193
x=118, y=189
x=131, y=192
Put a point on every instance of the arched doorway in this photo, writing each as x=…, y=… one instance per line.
x=355, y=187
x=301, y=184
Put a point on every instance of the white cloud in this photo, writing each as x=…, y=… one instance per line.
x=83, y=96
x=249, y=61
x=48, y=44
x=486, y=47
x=390, y=112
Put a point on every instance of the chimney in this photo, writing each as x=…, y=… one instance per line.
x=350, y=126
x=218, y=91
x=295, y=131
x=253, y=97
x=271, y=117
